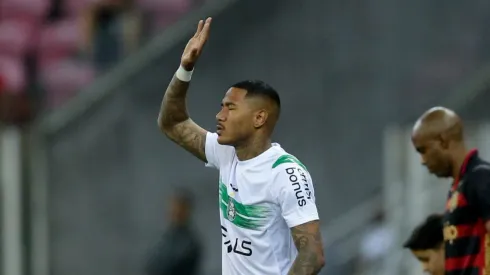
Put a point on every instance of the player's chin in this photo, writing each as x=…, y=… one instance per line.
x=224, y=140
x=440, y=173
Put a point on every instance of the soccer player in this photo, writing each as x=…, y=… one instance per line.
x=427, y=244
x=269, y=220
x=438, y=137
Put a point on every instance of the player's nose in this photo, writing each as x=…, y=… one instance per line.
x=220, y=116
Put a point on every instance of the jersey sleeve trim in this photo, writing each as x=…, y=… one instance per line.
x=310, y=218
x=288, y=159
x=210, y=150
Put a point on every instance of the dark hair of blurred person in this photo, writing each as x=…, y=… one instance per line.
x=179, y=250
x=427, y=244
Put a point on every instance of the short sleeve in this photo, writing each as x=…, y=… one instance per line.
x=479, y=191
x=295, y=195
x=216, y=154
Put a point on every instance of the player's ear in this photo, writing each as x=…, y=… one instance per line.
x=444, y=141
x=260, y=118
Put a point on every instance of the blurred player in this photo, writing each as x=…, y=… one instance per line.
x=438, y=137
x=179, y=251
x=427, y=245
x=269, y=220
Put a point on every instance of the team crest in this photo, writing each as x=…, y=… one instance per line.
x=453, y=201
x=231, y=210
x=450, y=233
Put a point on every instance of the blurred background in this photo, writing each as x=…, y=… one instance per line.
x=90, y=186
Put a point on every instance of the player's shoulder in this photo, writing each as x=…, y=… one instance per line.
x=285, y=166
x=480, y=169
x=285, y=160
x=291, y=179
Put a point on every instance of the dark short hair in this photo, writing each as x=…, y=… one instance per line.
x=259, y=88
x=428, y=235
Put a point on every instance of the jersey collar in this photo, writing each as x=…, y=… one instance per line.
x=464, y=166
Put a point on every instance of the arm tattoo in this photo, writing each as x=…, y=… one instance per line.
x=308, y=241
x=175, y=122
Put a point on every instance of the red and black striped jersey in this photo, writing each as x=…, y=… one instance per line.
x=466, y=240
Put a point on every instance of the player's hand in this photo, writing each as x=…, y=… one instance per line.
x=195, y=45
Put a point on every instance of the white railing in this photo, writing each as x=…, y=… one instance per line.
x=11, y=200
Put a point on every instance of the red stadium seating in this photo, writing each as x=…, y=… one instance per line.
x=64, y=78
x=16, y=37
x=166, y=6
x=26, y=32
x=30, y=10
x=58, y=41
x=13, y=73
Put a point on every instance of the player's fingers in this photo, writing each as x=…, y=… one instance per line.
x=205, y=30
x=200, y=25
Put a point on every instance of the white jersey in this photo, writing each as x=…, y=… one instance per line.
x=260, y=200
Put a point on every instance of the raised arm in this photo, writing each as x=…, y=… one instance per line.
x=308, y=241
x=173, y=119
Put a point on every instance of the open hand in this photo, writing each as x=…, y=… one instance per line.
x=195, y=45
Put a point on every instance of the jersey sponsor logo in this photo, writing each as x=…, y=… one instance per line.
x=299, y=183
x=304, y=180
x=237, y=246
x=452, y=203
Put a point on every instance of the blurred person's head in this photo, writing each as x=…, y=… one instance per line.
x=249, y=112
x=427, y=245
x=438, y=138
x=181, y=206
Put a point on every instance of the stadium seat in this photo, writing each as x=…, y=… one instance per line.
x=166, y=6
x=62, y=80
x=31, y=10
x=13, y=74
x=58, y=41
x=161, y=21
x=164, y=13
x=16, y=36
x=76, y=7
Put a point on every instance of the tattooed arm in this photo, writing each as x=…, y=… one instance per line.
x=174, y=119
x=175, y=122
x=308, y=241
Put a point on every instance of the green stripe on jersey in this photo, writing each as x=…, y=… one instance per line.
x=288, y=159
x=246, y=216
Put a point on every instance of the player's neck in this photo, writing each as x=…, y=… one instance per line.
x=460, y=155
x=252, y=148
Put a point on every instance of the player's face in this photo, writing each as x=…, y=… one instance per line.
x=433, y=155
x=432, y=260
x=235, y=119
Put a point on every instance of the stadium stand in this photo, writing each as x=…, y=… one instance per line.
x=63, y=37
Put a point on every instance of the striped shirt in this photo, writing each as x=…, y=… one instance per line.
x=467, y=243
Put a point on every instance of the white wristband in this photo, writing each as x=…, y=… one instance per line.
x=183, y=75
